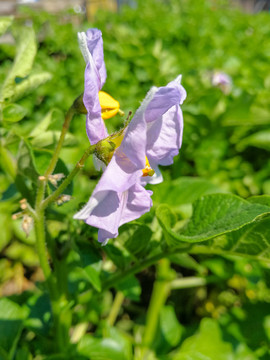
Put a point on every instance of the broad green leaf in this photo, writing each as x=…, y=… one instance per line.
x=29, y=84
x=7, y=162
x=43, y=124
x=26, y=52
x=207, y=344
x=130, y=287
x=251, y=240
x=90, y=264
x=50, y=138
x=136, y=239
x=260, y=139
x=39, y=317
x=262, y=199
x=5, y=22
x=13, y=113
x=101, y=349
x=11, y=324
x=213, y=215
x=26, y=162
x=169, y=325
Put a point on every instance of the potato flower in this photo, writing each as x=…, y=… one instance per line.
x=153, y=137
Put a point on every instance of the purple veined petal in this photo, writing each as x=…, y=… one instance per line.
x=135, y=139
x=95, y=46
x=117, y=209
x=165, y=123
x=165, y=137
x=95, y=126
x=95, y=75
x=138, y=203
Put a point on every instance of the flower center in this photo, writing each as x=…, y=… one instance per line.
x=109, y=106
x=147, y=171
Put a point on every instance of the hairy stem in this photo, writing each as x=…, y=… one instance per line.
x=69, y=178
x=69, y=116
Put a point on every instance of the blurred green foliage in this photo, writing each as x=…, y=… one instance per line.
x=225, y=149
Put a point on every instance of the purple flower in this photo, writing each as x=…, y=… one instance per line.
x=222, y=80
x=152, y=137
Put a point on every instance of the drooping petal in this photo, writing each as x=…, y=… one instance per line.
x=165, y=124
x=95, y=126
x=95, y=46
x=108, y=210
x=95, y=75
x=138, y=203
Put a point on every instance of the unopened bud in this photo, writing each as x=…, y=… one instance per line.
x=17, y=215
x=62, y=199
x=27, y=224
x=78, y=105
x=42, y=178
x=104, y=150
x=53, y=179
x=23, y=204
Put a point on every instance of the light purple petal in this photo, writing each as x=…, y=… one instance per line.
x=165, y=124
x=112, y=209
x=138, y=203
x=95, y=126
x=95, y=46
x=91, y=45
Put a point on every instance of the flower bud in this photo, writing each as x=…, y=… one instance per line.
x=27, y=224
x=78, y=105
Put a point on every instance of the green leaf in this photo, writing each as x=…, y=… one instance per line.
x=260, y=139
x=26, y=162
x=29, y=84
x=206, y=345
x=50, y=138
x=250, y=240
x=13, y=113
x=130, y=287
x=26, y=52
x=213, y=215
x=91, y=262
x=136, y=239
x=44, y=124
x=5, y=22
x=101, y=349
x=11, y=324
x=169, y=325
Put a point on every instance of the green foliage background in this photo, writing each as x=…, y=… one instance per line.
x=210, y=218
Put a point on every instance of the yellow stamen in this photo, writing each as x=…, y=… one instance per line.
x=109, y=106
x=147, y=171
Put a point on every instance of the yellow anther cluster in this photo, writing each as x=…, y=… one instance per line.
x=147, y=171
x=109, y=106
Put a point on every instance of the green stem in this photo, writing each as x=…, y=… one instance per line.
x=71, y=112
x=118, y=300
x=41, y=245
x=59, y=304
x=140, y=266
x=159, y=296
x=69, y=178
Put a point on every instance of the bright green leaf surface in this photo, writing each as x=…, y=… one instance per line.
x=206, y=345
x=14, y=113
